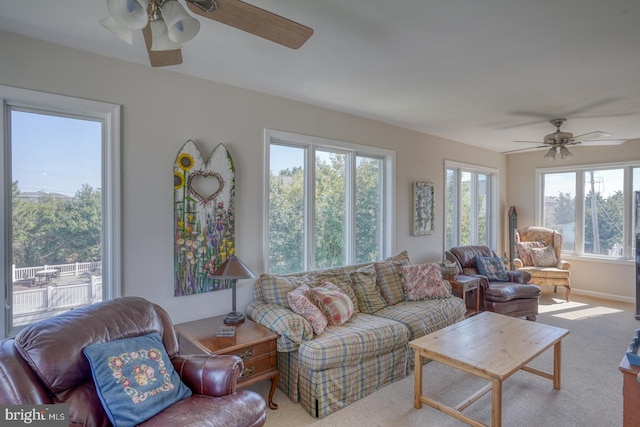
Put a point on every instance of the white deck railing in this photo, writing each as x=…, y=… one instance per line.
x=74, y=269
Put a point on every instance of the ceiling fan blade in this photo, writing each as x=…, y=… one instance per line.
x=531, y=142
x=598, y=142
x=256, y=21
x=525, y=149
x=592, y=135
x=160, y=58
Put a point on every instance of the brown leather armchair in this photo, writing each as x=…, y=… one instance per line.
x=515, y=298
x=44, y=364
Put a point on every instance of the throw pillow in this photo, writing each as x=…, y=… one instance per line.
x=523, y=251
x=134, y=378
x=367, y=291
x=492, y=268
x=275, y=288
x=544, y=257
x=333, y=302
x=390, y=281
x=424, y=281
x=301, y=304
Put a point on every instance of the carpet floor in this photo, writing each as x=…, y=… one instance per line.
x=591, y=394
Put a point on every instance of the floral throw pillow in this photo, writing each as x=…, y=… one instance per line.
x=544, y=257
x=134, y=378
x=301, y=304
x=424, y=281
x=333, y=302
x=492, y=268
x=523, y=250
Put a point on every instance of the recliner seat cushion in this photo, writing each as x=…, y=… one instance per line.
x=501, y=292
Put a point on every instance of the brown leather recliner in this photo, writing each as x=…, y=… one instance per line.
x=515, y=298
x=44, y=364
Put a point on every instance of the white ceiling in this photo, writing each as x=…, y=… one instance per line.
x=482, y=72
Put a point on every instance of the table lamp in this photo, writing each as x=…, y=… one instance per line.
x=233, y=269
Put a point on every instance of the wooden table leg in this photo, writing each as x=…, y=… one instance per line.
x=417, y=381
x=274, y=383
x=557, y=361
x=496, y=407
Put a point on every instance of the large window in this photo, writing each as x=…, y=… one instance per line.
x=470, y=205
x=60, y=204
x=593, y=207
x=329, y=203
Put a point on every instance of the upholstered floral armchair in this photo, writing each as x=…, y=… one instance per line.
x=538, y=252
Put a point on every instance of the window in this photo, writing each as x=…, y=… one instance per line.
x=60, y=204
x=592, y=207
x=329, y=203
x=470, y=204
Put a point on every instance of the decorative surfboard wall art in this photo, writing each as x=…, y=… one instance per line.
x=204, y=220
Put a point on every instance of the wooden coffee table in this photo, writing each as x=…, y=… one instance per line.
x=491, y=346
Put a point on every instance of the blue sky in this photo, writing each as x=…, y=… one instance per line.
x=55, y=154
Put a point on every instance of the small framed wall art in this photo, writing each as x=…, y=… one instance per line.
x=422, y=208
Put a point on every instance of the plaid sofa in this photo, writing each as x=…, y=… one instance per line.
x=348, y=362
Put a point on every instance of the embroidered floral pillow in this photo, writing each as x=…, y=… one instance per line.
x=301, y=304
x=423, y=281
x=544, y=257
x=492, y=268
x=523, y=250
x=333, y=302
x=134, y=378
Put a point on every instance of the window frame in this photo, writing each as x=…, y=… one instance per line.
x=109, y=115
x=311, y=144
x=628, y=206
x=492, y=213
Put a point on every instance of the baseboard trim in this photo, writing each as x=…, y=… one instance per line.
x=603, y=295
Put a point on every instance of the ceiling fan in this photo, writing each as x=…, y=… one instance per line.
x=165, y=24
x=558, y=141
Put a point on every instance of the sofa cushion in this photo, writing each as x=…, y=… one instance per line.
x=423, y=281
x=362, y=337
x=544, y=257
x=339, y=276
x=492, y=268
x=300, y=303
x=424, y=317
x=134, y=378
x=523, y=251
x=390, y=281
x=333, y=302
x=274, y=288
x=365, y=286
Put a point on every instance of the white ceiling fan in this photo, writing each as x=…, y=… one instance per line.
x=558, y=141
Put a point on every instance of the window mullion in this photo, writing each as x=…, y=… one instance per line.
x=310, y=212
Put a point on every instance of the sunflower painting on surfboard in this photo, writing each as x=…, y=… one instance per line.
x=204, y=219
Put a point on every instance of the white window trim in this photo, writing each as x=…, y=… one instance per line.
x=493, y=200
x=628, y=235
x=111, y=193
x=311, y=142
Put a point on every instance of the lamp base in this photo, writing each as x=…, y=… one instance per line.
x=233, y=318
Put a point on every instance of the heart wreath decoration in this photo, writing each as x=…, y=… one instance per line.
x=203, y=175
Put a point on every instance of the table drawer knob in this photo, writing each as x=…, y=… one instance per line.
x=249, y=371
x=247, y=354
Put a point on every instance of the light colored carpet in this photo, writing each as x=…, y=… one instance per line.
x=591, y=394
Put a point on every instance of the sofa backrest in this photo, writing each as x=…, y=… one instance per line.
x=52, y=349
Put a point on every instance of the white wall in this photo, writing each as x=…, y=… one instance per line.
x=610, y=279
x=162, y=109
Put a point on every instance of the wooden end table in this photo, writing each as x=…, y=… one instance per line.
x=461, y=284
x=253, y=343
x=630, y=393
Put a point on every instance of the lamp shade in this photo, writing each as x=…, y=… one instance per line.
x=159, y=37
x=565, y=154
x=551, y=154
x=182, y=27
x=233, y=268
x=111, y=24
x=131, y=14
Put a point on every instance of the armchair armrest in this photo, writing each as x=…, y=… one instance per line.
x=519, y=276
x=564, y=265
x=211, y=375
x=292, y=328
x=517, y=263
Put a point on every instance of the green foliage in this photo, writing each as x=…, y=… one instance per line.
x=54, y=230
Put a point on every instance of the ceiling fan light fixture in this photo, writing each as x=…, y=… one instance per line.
x=565, y=154
x=551, y=154
x=160, y=37
x=131, y=14
x=112, y=25
x=181, y=26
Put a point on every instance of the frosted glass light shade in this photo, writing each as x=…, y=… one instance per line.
x=111, y=24
x=181, y=26
x=551, y=154
x=131, y=14
x=565, y=154
x=159, y=37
